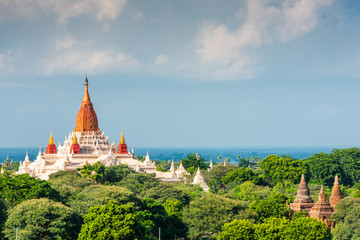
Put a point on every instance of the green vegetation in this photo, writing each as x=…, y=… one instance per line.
x=98, y=202
x=42, y=219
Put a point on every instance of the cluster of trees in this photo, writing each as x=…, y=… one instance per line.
x=98, y=202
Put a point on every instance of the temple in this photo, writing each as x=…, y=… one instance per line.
x=322, y=209
x=87, y=144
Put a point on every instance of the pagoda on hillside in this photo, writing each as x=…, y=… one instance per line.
x=86, y=144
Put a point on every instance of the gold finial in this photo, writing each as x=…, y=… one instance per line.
x=51, y=139
x=122, y=138
x=74, y=139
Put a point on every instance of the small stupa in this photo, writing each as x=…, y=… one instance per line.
x=302, y=201
x=322, y=209
x=199, y=180
x=336, y=194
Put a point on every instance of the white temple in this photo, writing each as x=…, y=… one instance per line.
x=199, y=180
x=87, y=144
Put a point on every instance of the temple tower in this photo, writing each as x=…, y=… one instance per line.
x=336, y=194
x=122, y=147
x=75, y=147
x=322, y=209
x=51, y=148
x=302, y=201
x=86, y=119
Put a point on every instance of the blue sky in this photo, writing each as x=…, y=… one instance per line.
x=183, y=73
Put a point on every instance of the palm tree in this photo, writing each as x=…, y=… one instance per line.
x=219, y=158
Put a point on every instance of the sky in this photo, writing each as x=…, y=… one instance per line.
x=204, y=73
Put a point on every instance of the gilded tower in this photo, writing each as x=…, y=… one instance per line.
x=86, y=119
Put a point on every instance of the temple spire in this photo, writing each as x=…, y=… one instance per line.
x=74, y=140
x=336, y=194
x=51, y=139
x=86, y=119
x=86, y=94
x=122, y=138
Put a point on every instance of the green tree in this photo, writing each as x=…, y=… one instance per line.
x=278, y=169
x=219, y=158
x=98, y=195
x=3, y=216
x=163, y=192
x=95, y=171
x=175, y=227
x=192, y=162
x=324, y=167
x=305, y=228
x=42, y=219
x=350, y=162
x=15, y=189
x=113, y=221
x=116, y=173
x=69, y=184
x=214, y=177
x=249, y=192
x=238, y=176
x=274, y=206
x=272, y=228
x=346, y=219
x=139, y=182
x=207, y=214
x=238, y=230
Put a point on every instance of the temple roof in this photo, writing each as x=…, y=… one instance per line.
x=86, y=119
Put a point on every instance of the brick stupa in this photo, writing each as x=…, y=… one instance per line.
x=336, y=194
x=303, y=201
x=322, y=209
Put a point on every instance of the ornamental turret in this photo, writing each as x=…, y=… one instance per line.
x=75, y=147
x=51, y=148
x=86, y=119
x=122, y=148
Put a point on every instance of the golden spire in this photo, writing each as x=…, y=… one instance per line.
x=51, y=139
x=122, y=138
x=86, y=94
x=86, y=119
x=74, y=139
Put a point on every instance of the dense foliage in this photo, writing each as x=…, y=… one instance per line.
x=277, y=169
x=205, y=215
x=347, y=219
x=345, y=163
x=15, y=189
x=113, y=221
x=193, y=161
x=42, y=219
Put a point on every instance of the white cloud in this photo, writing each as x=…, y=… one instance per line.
x=161, y=59
x=104, y=10
x=96, y=62
x=265, y=24
x=4, y=61
x=65, y=43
